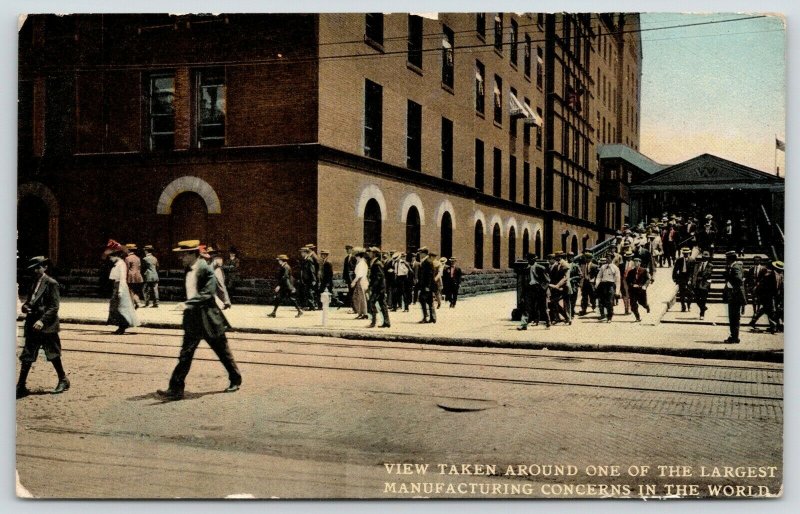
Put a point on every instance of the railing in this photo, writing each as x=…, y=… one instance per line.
x=773, y=234
x=602, y=249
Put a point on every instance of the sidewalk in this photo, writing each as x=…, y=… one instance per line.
x=484, y=321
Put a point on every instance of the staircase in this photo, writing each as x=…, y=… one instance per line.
x=717, y=282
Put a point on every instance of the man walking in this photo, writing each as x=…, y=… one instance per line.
x=202, y=319
x=41, y=326
x=348, y=273
x=607, y=284
x=377, y=289
x=701, y=281
x=326, y=273
x=682, y=275
x=588, y=274
x=638, y=279
x=427, y=286
x=734, y=294
x=452, y=275
x=150, y=276
x=285, y=288
x=536, y=292
x=134, y=276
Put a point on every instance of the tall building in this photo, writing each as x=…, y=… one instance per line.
x=474, y=134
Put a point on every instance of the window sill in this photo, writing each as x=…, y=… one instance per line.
x=498, y=124
x=374, y=44
x=481, y=37
x=528, y=78
x=513, y=65
x=449, y=89
x=480, y=114
x=498, y=52
x=413, y=67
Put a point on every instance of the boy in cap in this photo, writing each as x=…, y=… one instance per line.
x=734, y=294
x=701, y=281
x=681, y=275
x=202, y=319
x=285, y=288
x=41, y=326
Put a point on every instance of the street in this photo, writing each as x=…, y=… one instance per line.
x=323, y=417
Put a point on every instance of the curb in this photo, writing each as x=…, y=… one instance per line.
x=703, y=353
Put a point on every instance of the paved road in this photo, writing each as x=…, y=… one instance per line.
x=320, y=417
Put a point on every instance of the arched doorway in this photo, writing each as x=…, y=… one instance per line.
x=372, y=224
x=564, y=240
x=537, y=245
x=188, y=219
x=574, y=247
x=526, y=244
x=412, y=230
x=496, y=246
x=512, y=247
x=585, y=242
x=447, y=235
x=33, y=228
x=478, y=245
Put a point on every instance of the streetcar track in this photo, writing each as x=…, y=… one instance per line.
x=526, y=382
x=434, y=362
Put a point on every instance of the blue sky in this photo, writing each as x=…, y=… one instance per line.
x=717, y=88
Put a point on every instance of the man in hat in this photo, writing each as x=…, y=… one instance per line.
x=607, y=284
x=387, y=259
x=216, y=261
x=402, y=280
x=777, y=267
x=150, y=276
x=701, y=281
x=575, y=280
x=41, y=326
x=326, y=274
x=734, y=294
x=625, y=267
x=348, y=273
x=751, y=279
x=536, y=290
x=285, y=288
x=682, y=275
x=638, y=279
x=588, y=274
x=427, y=286
x=202, y=319
x=231, y=269
x=377, y=289
x=452, y=276
x=766, y=290
x=308, y=280
x=134, y=277
x=560, y=290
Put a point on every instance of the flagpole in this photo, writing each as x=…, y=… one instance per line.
x=777, y=173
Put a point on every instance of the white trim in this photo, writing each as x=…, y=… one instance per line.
x=370, y=192
x=496, y=220
x=446, y=206
x=512, y=222
x=411, y=200
x=188, y=184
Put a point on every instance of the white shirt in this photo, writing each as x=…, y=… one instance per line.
x=191, y=280
x=400, y=268
x=361, y=273
x=608, y=273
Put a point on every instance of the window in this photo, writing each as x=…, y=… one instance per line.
x=526, y=244
x=537, y=243
x=373, y=120
x=447, y=149
x=162, y=112
x=526, y=184
x=512, y=247
x=480, y=24
x=575, y=197
x=372, y=224
x=211, y=108
x=414, y=136
x=526, y=128
x=527, y=62
x=478, y=260
x=374, y=28
x=585, y=204
x=496, y=246
x=512, y=178
x=540, y=20
x=539, y=67
x=497, y=181
x=512, y=120
x=480, y=93
x=447, y=57
x=498, y=32
x=539, y=130
x=564, y=195
x=415, y=40
x=446, y=233
x=479, y=165
x=538, y=191
x=513, y=42
x=412, y=230
x=498, y=99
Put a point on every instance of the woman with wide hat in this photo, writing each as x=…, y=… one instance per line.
x=121, y=310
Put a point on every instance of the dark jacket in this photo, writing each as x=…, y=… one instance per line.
x=327, y=275
x=452, y=276
x=308, y=272
x=43, y=305
x=285, y=280
x=767, y=286
x=202, y=318
x=702, y=279
x=638, y=276
x=678, y=276
x=425, y=276
x=377, y=280
x=348, y=269
x=734, y=284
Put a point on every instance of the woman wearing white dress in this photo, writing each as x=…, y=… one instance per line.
x=121, y=311
x=360, y=284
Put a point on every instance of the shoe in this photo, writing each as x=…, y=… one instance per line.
x=233, y=388
x=582, y=313
x=647, y=308
x=386, y=325
x=271, y=315
x=170, y=394
x=119, y=331
x=405, y=310
x=730, y=340
x=601, y=320
x=638, y=320
x=299, y=313
x=424, y=320
x=547, y=325
x=22, y=392
x=522, y=328
x=701, y=316
x=155, y=306
x=683, y=309
x=371, y=325
x=147, y=304
x=62, y=386
x=433, y=320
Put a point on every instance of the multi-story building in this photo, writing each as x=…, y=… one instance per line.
x=470, y=133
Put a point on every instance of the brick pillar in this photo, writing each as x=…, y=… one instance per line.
x=183, y=109
x=39, y=98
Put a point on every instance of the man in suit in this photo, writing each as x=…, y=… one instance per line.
x=607, y=285
x=348, y=272
x=285, y=288
x=377, y=289
x=536, y=289
x=402, y=281
x=624, y=267
x=452, y=278
x=308, y=279
x=202, y=319
x=150, y=276
x=766, y=290
x=588, y=274
x=682, y=275
x=701, y=281
x=751, y=280
x=326, y=273
x=638, y=279
x=427, y=286
x=734, y=294
x=41, y=326
x=134, y=278
x=560, y=290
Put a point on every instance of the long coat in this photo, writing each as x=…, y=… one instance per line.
x=150, y=268
x=121, y=306
x=202, y=317
x=42, y=304
x=734, y=284
x=134, y=269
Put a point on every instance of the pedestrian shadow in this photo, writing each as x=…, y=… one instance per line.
x=37, y=392
x=161, y=400
x=723, y=343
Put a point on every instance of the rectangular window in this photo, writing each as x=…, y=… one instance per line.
x=374, y=28
x=585, y=204
x=575, y=196
x=498, y=99
x=415, y=40
x=414, y=136
x=538, y=191
x=479, y=164
x=526, y=128
x=480, y=24
x=526, y=183
x=512, y=178
x=512, y=121
x=373, y=120
x=447, y=149
x=527, y=63
x=539, y=67
x=564, y=195
x=498, y=32
x=513, y=42
x=211, y=108
x=540, y=20
x=447, y=56
x=497, y=179
x=539, y=129
x=480, y=80
x=162, y=112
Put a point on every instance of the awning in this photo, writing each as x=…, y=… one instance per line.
x=531, y=117
x=515, y=107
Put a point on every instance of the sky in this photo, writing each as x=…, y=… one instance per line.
x=717, y=88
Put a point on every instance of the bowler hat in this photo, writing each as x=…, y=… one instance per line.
x=282, y=257
x=35, y=262
x=424, y=249
x=187, y=246
x=348, y=247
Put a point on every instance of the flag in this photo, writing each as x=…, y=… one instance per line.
x=780, y=145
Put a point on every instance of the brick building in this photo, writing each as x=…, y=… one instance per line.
x=474, y=134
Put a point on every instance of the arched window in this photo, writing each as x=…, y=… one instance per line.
x=412, y=230
x=447, y=235
x=585, y=242
x=574, y=248
x=478, y=244
x=526, y=244
x=496, y=246
x=372, y=224
x=512, y=247
x=564, y=237
x=537, y=245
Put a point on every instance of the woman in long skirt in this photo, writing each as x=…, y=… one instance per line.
x=121, y=310
x=360, y=284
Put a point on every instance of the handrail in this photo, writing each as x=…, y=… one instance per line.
x=601, y=249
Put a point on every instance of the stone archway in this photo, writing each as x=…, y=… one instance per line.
x=38, y=216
